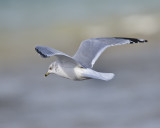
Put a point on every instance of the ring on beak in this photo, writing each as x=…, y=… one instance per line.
x=46, y=74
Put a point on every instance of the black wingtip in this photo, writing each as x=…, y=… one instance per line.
x=40, y=53
x=133, y=40
x=142, y=40
x=145, y=40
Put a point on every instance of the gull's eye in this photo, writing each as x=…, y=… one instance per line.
x=50, y=68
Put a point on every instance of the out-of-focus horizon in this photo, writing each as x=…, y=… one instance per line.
x=68, y=22
x=27, y=99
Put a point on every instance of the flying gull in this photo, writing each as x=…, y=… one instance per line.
x=79, y=66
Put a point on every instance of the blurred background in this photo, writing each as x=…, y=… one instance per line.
x=28, y=100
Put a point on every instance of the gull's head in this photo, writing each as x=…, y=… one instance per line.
x=50, y=70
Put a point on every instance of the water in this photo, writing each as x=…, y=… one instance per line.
x=131, y=99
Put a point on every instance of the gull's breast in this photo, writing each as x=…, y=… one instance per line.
x=74, y=73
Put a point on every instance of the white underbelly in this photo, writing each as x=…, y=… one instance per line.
x=70, y=73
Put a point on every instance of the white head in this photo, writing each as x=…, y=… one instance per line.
x=51, y=69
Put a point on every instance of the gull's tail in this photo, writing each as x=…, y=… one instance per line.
x=89, y=73
x=106, y=76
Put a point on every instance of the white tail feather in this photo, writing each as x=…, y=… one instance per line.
x=106, y=76
x=89, y=73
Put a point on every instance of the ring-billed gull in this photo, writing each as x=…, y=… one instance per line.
x=79, y=67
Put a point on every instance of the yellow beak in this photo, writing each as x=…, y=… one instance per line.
x=46, y=74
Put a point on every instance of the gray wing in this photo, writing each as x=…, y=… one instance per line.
x=63, y=58
x=91, y=49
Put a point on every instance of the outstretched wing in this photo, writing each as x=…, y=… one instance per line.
x=63, y=58
x=91, y=49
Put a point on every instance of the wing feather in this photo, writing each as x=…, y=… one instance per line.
x=91, y=49
x=63, y=58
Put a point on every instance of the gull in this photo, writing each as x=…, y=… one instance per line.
x=80, y=66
